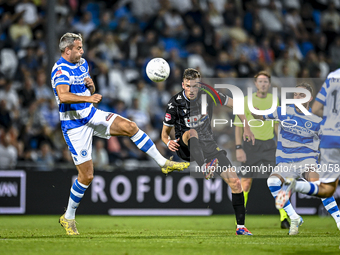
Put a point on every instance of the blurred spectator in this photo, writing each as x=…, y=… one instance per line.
x=237, y=32
x=271, y=18
x=335, y=52
x=21, y=33
x=27, y=94
x=85, y=26
x=42, y=91
x=8, y=63
x=243, y=67
x=109, y=49
x=105, y=85
x=143, y=95
x=5, y=115
x=174, y=23
x=278, y=46
x=307, y=18
x=223, y=67
x=66, y=156
x=294, y=23
x=105, y=20
x=293, y=49
x=8, y=153
x=29, y=64
x=323, y=65
x=100, y=156
x=292, y=65
x=10, y=96
x=331, y=17
x=50, y=114
x=266, y=54
x=135, y=114
x=30, y=12
x=45, y=159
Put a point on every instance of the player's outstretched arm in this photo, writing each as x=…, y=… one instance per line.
x=66, y=97
x=317, y=108
x=171, y=144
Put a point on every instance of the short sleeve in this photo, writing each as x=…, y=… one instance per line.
x=170, y=114
x=276, y=115
x=321, y=96
x=60, y=76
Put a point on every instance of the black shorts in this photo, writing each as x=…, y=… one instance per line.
x=210, y=150
x=261, y=153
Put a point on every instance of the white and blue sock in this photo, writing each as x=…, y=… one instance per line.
x=309, y=188
x=274, y=184
x=145, y=144
x=332, y=207
x=77, y=192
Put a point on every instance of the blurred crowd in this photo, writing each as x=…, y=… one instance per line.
x=221, y=38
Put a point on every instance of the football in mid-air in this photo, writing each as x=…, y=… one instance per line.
x=158, y=69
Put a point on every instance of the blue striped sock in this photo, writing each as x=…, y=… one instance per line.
x=332, y=207
x=308, y=188
x=145, y=144
x=77, y=192
x=274, y=185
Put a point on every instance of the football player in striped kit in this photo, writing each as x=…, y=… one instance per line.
x=80, y=121
x=297, y=154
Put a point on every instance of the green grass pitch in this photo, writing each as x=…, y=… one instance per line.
x=165, y=235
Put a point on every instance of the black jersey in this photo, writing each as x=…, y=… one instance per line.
x=186, y=114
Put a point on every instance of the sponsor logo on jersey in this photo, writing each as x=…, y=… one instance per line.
x=58, y=73
x=195, y=121
x=167, y=116
x=308, y=124
x=109, y=116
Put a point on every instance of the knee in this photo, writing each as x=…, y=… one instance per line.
x=235, y=185
x=246, y=184
x=193, y=133
x=85, y=179
x=274, y=181
x=326, y=190
x=131, y=128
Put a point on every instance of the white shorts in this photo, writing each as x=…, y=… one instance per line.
x=79, y=140
x=295, y=169
x=330, y=165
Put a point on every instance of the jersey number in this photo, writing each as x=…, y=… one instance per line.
x=334, y=93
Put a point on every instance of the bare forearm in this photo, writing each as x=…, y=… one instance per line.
x=165, y=135
x=70, y=98
x=238, y=135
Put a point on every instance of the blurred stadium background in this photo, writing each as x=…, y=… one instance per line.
x=291, y=39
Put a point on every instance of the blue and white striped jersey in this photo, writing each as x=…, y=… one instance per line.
x=329, y=96
x=298, y=135
x=64, y=72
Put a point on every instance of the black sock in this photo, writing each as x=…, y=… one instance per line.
x=238, y=204
x=196, y=152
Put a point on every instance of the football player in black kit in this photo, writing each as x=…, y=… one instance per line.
x=194, y=138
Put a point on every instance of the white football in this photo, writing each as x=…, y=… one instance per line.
x=158, y=69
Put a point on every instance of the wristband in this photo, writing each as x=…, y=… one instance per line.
x=167, y=145
x=239, y=146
